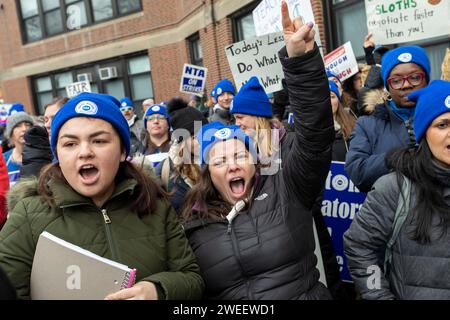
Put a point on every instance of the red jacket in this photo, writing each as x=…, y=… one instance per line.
x=4, y=187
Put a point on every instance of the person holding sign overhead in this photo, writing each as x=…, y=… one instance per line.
x=95, y=199
x=224, y=93
x=253, y=234
x=404, y=70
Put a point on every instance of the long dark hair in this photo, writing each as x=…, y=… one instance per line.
x=145, y=194
x=416, y=164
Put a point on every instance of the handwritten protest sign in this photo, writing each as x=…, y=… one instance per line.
x=341, y=202
x=342, y=62
x=257, y=57
x=193, y=79
x=393, y=21
x=76, y=88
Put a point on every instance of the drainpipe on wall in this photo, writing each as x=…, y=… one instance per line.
x=216, y=45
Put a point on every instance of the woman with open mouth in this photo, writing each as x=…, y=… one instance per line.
x=405, y=218
x=95, y=199
x=252, y=233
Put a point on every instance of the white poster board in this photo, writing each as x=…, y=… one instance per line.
x=257, y=57
x=76, y=88
x=408, y=20
x=193, y=79
x=342, y=62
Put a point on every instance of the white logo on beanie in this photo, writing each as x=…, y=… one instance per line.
x=447, y=101
x=86, y=107
x=223, y=134
x=156, y=108
x=219, y=91
x=405, y=57
x=124, y=104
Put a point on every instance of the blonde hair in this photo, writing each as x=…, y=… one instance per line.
x=446, y=66
x=190, y=170
x=263, y=141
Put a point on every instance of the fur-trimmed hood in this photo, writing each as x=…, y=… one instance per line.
x=26, y=187
x=369, y=99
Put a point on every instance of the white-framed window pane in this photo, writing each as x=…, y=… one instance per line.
x=103, y=9
x=43, y=84
x=53, y=22
x=76, y=14
x=198, y=52
x=33, y=29
x=63, y=79
x=351, y=24
x=126, y=6
x=48, y=5
x=115, y=88
x=246, y=27
x=43, y=99
x=29, y=8
x=139, y=65
x=141, y=87
x=61, y=93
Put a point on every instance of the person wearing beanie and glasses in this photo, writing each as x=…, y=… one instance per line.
x=181, y=170
x=252, y=234
x=93, y=198
x=224, y=93
x=156, y=143
x=136, y=125
x=405, y=216
x=18, y=123
x=404, y=70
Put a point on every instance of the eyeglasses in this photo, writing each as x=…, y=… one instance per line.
x=123, y=109
x=154, y=117
x=415, y=79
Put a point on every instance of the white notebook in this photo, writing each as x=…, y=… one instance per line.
x=63, y=271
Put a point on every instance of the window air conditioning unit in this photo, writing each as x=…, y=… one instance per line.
x=107, y=73
x=84, y=77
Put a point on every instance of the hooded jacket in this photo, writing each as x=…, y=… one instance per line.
x=267, y=252
x=155, y=245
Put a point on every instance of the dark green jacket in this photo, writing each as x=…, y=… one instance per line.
x=155, y=245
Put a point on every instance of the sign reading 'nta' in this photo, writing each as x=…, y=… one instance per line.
x=394, y=21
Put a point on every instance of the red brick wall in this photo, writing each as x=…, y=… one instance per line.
x=18, y=90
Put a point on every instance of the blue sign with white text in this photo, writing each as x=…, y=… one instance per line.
x=193, y=79
x=341, y=202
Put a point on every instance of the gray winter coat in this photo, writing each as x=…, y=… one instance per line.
x=417, y=271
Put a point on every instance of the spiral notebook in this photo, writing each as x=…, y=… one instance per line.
x=63, y=271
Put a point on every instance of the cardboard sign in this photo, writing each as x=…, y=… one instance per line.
x=193, y=79
x=341, y=202
x=392, y=21
x=76, y=88
x=257, y=57
x=342, y=62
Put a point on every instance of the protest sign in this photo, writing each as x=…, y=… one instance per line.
x=4, y=112
x=76, y=88
x=393, y=21
x=257, y=57
x=341, y=202
x=193, y=79
x=342, y=62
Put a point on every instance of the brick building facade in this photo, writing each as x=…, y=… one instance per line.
x=35, y=66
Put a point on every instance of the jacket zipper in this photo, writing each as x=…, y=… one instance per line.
x=112, y=247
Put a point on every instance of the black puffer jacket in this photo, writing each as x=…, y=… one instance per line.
x=268, y=251
x=36, y=152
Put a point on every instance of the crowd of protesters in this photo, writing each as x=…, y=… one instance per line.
x=222, y=200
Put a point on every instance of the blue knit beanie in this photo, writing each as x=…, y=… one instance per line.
x=214, y=132
x=16, y=107
x=223, y=86
x=155, y=109
x=331, y=74
x=431, y=102
x=126, y=102
x=92, y=105
x=334, y=88
x=406, y=54
x=252, y=100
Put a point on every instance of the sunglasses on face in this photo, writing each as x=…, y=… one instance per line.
x=415, y=79
x=157, y=117
x=123, y=109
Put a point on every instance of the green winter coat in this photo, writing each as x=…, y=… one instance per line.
x=155, y=245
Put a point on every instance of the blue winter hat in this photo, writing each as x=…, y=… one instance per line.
x=331, y=74
x=155, y=109
x=334, y=88
x=222, y=86
x=126, y=102
x=405, y=54
x=431, y=102
x=16, y=107
x=214, y=132
x=252, y=100
x=92, y=105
